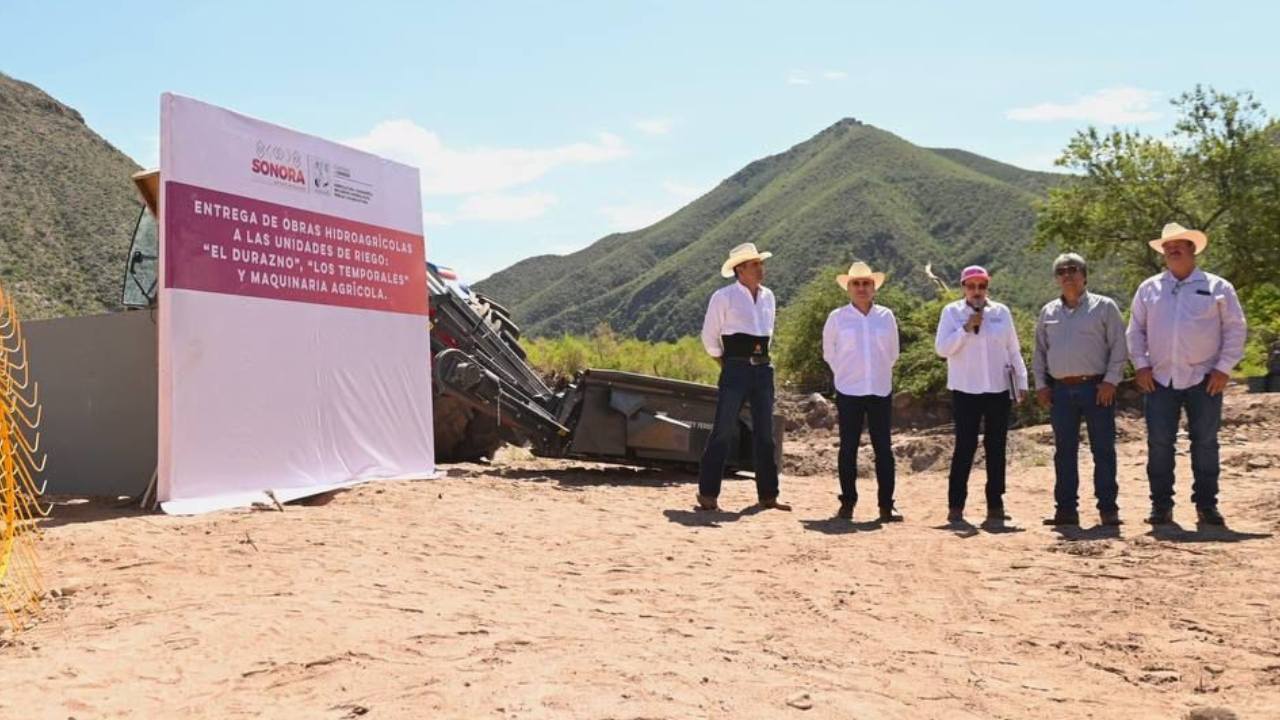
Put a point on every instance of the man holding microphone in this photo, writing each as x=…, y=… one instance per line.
x=985, y=373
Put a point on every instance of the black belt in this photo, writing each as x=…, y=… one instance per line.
x=742, y=345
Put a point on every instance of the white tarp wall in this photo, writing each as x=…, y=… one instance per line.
x=293, y=329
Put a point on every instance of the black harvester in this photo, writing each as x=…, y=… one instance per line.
x=603, y=415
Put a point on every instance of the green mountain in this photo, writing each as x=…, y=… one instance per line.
x=67, y=207
x=850, y=192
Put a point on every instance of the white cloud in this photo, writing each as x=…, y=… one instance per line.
x=503, y=207
x=641, y=215
x=466, y=171
x=798, y=77
x=654, y=126
x=835, y=74
x=1111, y=106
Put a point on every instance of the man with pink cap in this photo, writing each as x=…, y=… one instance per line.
x=986, y=374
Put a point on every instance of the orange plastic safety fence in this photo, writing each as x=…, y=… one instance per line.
x=21, y=462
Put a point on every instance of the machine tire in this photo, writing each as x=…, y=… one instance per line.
x=462, y=434
x=482, y=438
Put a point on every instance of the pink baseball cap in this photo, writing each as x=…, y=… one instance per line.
x=974, y=271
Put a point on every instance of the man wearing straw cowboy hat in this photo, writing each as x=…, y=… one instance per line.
x=1186, y=333
x=985, y=372
x=860, y=343
x=736, y=332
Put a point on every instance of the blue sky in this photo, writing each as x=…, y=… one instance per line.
x=541, y=127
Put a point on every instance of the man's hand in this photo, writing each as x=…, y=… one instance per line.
x=1106, y=394
x=974, y=321
x=1022, y=396
x=1217, y=382
x=1044, y=396
x=1145, y=382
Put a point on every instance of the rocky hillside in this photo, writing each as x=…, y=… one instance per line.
x=67, y=207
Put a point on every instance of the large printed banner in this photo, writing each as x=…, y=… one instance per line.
x=294, y=348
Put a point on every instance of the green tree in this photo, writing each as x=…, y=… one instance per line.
x=1217, y=171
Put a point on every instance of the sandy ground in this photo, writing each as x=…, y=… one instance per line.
x=541, y=589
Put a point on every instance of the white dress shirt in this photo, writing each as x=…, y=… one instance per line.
x=732, y=310
x=1184, y=329
x=979, y=362
x=861, y=349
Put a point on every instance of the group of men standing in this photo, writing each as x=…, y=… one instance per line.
x=1185, y=334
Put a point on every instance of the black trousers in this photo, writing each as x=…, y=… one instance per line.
x=988, y=413
x=877, y=412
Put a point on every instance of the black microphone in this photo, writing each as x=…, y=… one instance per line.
x=979, y=310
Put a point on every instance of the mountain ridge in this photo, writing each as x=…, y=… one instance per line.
x=851, y=190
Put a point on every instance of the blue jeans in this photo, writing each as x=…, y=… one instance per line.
x=878, y=413
x=1164, y=408
x=741, y=383
x=1070, y=404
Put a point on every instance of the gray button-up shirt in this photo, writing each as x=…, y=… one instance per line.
x=1085, y=340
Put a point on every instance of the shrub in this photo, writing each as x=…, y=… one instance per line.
x=683, y=359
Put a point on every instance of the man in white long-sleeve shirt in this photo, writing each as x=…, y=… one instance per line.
x=1186, y=333
x=985, y=373
x=736, y=332
x=860, y=344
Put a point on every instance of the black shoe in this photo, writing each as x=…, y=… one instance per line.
x=996, y=514
x=1110, y=518
x=1063, y=517
x=1210, y=516
x=955, y=515
x=889, y=515
x=846, y=510
x=707, y=503
x=1160, y=517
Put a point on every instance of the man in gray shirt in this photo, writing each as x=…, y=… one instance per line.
x=1079, y=359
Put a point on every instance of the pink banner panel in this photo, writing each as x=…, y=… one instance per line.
x=224, y=243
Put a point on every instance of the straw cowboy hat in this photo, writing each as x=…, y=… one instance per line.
x=739, y=255
x=1174, y=231
x=858, y=271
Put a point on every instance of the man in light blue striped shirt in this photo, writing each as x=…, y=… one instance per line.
x=1186, y=333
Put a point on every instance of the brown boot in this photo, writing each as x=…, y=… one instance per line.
x=773, y=504
x=707, y=504
x=889, y=515
x=1210, y=516
x=955, y=515
x=846, y=510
